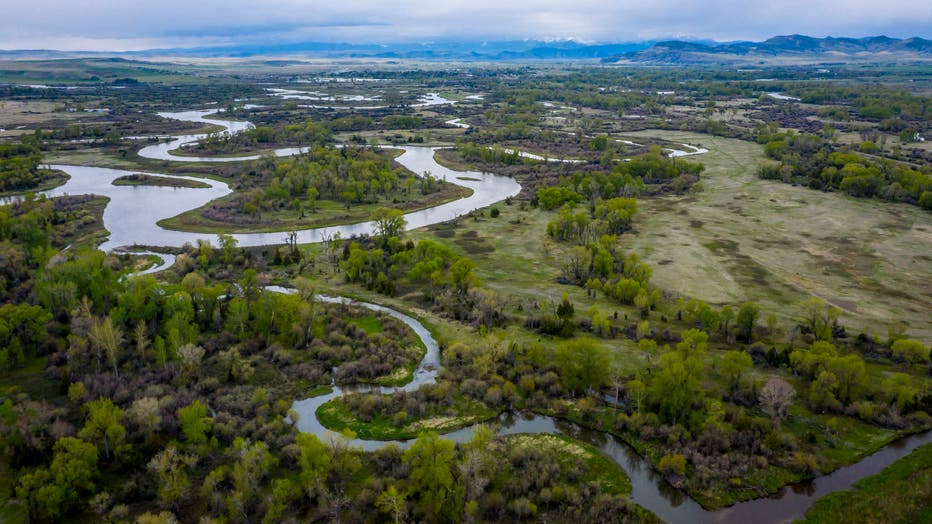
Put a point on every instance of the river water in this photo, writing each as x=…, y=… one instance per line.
x=133, y=211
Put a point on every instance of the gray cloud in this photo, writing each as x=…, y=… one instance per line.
x=122, y=25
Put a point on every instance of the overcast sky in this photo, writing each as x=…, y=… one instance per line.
x=119, y=25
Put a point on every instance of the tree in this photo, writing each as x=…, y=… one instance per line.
x=851, y=374
x=430, y=460
x=103, y=426
x=228, y=245
x=733, y=365
x=191, y=357
x=617, y=213
x=675, y=387
x=391, y=501
x=462, y=276
x=50, y=493
x=693, y=343
x=727, y=316
x=314, y=463
x=565, y=312
x=583, y=364
x=388, y=223
x=822, y=392
x=163, y=517
x=819, y=317
x=476, y=468
x=253, y=463
x=194, y=422
x=910, y=351
x=775, y=397
x=107, y=338
x=747, y=317
x=636, y=391
x=141, y=337
x=145, y=412
x=172, y=467
x=898, y=388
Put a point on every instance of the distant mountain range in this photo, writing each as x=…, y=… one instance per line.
x=797, y=47
x=792, y=48
x=471, y=51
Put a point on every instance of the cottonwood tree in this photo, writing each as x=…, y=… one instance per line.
x=819, y=317
x=675, y=386
x=191, y=357
x=172, y=468
x=53, y=491
x=637, y=391
x=910, y=351
x=431, y=479
x=107, y=338
x=583, y=364
x=314, y=463
x=145, y=412
x=194, y=422
x=747, y=317
x=733, y=366
x=388, y=223
x=103, y=426
x=475, y=470
x=392, y=501
x=775, y=397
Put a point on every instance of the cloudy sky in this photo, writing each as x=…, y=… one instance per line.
x=118, y=25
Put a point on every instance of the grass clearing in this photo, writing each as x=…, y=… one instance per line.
x=327, y=213
x=139, y=179
x=743, y=238
x=371, y=324
x=336, y=416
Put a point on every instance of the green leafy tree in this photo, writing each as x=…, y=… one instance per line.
x=910, y=351
x=675, y=386
x=693, y=343
x=747, y=317
x=107, y=338
x=733, y=366
x=53, y=492
x=392, y=502
x=851, y=374
x=194, y=422
x=822, y=392
x=314, y=463
x=583, y=364
x=819, y=317
x=898, y=388
x=388, y=223
x=431, y=460
x=103, y=426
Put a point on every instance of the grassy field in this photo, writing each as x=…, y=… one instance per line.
x=150, y=180
x=327, y=213
x=900, y=493
x=19, y=116
x=336, y=416
x=742, y=238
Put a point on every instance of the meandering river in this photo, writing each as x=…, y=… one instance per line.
x=132, y=216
